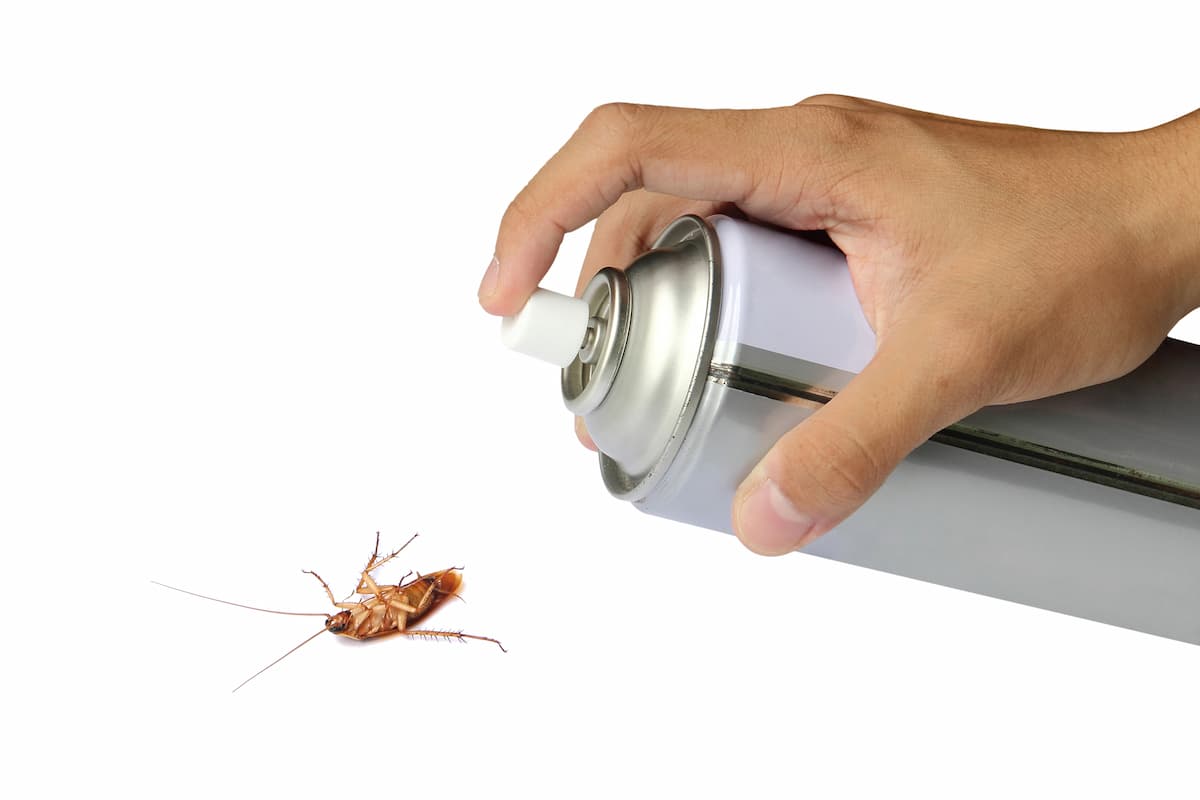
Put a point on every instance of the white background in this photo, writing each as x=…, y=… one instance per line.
x=240, y=244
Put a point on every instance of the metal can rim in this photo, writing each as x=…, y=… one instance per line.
x=635, y=487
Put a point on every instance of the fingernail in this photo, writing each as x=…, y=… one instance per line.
x=768, y=523
x=491, y=279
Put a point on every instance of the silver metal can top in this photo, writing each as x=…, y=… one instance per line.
x=641, y=370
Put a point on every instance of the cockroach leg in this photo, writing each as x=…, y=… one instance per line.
x=368, y=584
x=423, y=603
x=323, y=584
x=400, y=605
x=423, y=633
x=329, y=592
x=376, y=562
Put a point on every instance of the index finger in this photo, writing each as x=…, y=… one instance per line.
x=730, y=156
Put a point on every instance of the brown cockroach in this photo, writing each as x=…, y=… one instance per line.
x=386, y=611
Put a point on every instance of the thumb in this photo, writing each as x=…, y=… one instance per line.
x=822, y=470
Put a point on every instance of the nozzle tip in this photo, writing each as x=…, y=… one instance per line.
x=550, y=327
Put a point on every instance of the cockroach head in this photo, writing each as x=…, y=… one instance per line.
x=337, y=622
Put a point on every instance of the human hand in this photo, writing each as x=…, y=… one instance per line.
x=995, y=263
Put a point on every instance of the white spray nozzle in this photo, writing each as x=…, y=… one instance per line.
x=551, y=327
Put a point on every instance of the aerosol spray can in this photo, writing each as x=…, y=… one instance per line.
x=689, y=365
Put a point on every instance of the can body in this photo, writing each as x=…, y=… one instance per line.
x=1082, y=504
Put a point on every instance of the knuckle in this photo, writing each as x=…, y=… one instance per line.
x=840, y=127
x=615, y=122
x=834, y=100
x=847, y=123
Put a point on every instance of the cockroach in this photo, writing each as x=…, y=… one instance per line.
x=386, y=611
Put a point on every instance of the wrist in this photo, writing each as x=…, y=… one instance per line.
x=1168, y=177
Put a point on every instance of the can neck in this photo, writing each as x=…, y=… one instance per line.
x=639, y=376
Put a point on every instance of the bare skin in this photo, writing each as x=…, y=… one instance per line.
x=996, y=263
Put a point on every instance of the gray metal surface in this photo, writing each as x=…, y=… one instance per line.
x=968, y=521
x=1140, y=434
x=1146, y=423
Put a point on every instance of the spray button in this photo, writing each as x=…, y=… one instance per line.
x=552, y=327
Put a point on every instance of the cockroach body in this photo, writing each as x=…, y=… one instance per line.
x=392, y=609
x=386, y=610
